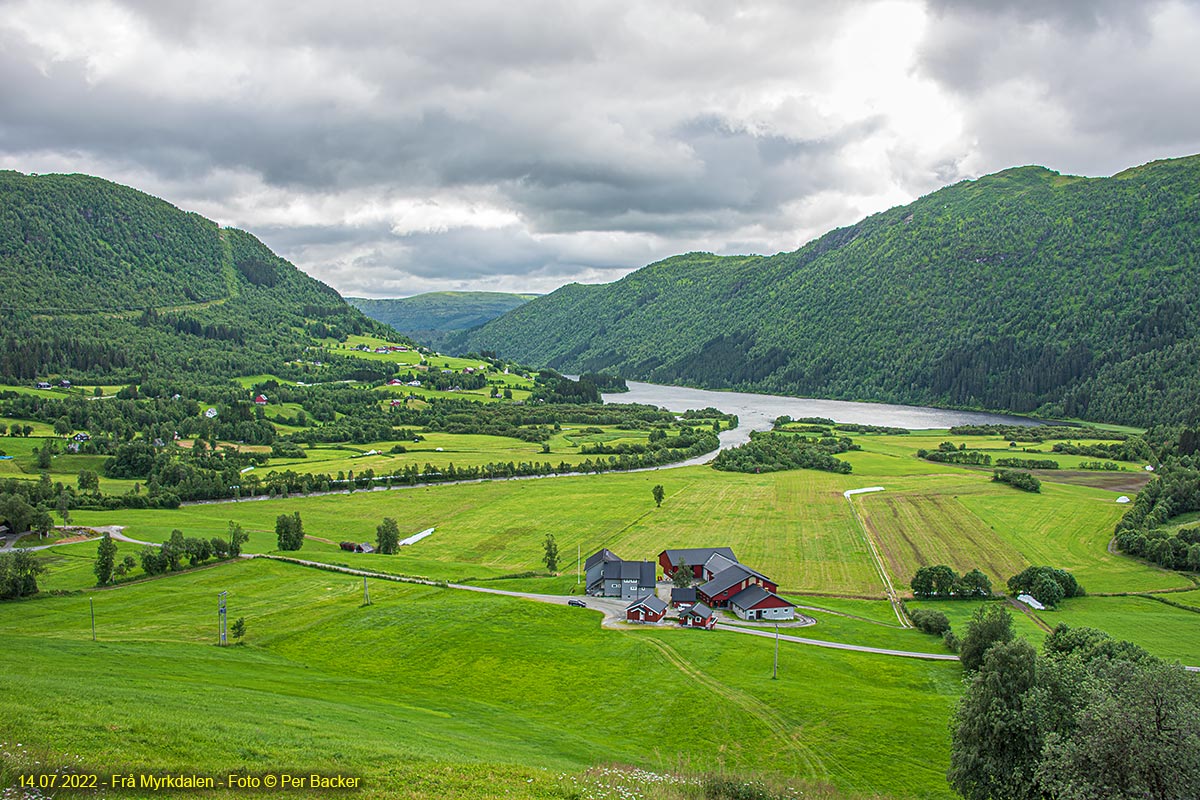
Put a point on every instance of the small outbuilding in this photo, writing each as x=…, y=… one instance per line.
x=683, y=596
x=698, y=615
x=646, y=609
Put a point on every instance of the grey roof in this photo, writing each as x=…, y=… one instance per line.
x=641, y=571
x=683, y=594
x=650, y=602
x=718, y=562
x=695, y=556
x=726, y=578
x=753, y=595
x=600, y=555
x=697, y=610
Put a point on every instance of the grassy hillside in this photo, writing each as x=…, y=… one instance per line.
x=430, y=317
x=1025, y=290
x=440, y=693
x=105, y=283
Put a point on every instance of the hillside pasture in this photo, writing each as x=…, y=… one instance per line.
x=315, y=656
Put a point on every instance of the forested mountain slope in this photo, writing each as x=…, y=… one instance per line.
x=1024, y=290
x=105, y=283
x=430, y=317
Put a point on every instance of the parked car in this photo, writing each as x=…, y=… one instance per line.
x=577, y=603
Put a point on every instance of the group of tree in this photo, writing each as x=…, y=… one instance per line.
x=943, y=582
x=1143, y=530
x=387, y=537
x=1018, y=480
x=289, y=531
x=550, y=553
x=1088, y=717
x=1047, y=585
x=19, y=570
x=1027, y=463
x=773, y=452
x=180, y=552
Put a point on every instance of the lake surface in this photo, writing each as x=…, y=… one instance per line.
x=757, y=412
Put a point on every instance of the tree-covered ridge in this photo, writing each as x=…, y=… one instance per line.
x=108, y=284
x=1024, y=290
x=428, y=317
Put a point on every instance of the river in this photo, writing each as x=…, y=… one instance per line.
x=757, y=412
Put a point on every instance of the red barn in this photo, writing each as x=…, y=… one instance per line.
x=757, y=603
x=261, y=400
x=727, y=583
x=647, y=609
x=695, y=558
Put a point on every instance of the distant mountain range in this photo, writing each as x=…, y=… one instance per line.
x=1025, y=290
x=104, y=283
x=431, y=317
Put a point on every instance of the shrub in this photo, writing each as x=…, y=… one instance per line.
x=930, y=621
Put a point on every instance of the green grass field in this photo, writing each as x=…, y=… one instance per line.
x=440, y=693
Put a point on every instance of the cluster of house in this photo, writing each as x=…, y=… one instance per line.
x=719, y=581
x=381, y=349
x=64, y=384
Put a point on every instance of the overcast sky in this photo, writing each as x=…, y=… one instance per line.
x=391, y=148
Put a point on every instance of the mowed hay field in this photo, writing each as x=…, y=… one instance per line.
x=795, y=526
x=444, y=693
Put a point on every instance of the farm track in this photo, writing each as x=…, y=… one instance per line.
x=814, y=767
x=893, y=597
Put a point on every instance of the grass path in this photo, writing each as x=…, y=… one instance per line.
x=887, y=582
x=756, y=708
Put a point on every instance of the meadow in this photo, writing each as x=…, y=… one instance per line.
x=512, y=690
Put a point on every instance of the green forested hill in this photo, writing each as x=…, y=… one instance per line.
x=105, y=283
x=1024, y=290
x=429, y=317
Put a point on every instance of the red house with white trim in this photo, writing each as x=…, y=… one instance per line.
x=260, y=400
x=646, y=609
x=698, y=615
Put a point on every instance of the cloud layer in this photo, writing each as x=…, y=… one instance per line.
x=389, y=150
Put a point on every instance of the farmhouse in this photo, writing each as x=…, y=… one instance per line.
x=647, y=609
x=698, y=615
x=725, y=584
x=210, y=413
x=756, y=602
x=695, y=558
x=81, y=437
x=683, y=596
x=395, y=382
x=42, y=385
x=609, y=576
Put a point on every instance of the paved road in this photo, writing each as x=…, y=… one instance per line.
x=613, y=609
x=114, y=530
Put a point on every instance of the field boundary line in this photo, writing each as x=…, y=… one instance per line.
x=893, y=597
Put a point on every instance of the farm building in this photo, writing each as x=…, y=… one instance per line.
x=260, y=400
x=647, y=609
x=42, y=385
x=609, y=576
x=695, y=558
x=725, y=584
x=682, y=596
x=755, y=602
x=698, y=615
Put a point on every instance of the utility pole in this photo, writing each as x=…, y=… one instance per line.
x=366, y=594
x=578, y=554
x=92, y=606
x=221, y=618
x=775, y=671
